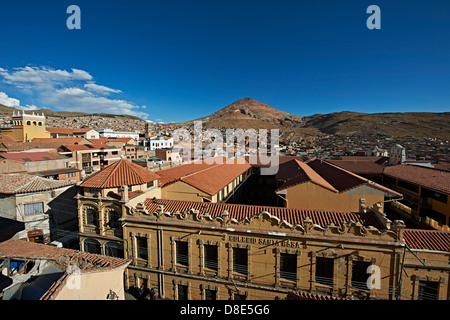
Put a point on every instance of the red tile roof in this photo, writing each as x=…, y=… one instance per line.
x=61, y=257
x=295, y=172
x=67, y=130
x=61, y=140
x=26, y=183
x=359, y=166
x=326, y=174
x=24, y=249
x=118, y=174
x=29, y=156
x=433, y=179
x=78, y=147
x=291, y=215
x=5, y=138
x=427, y=239
x=209, y=178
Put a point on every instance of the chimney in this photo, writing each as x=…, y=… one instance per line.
x=125, y=193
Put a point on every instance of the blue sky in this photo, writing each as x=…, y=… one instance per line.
x=180, y=60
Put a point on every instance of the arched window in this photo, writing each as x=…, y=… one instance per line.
x=34, y=123
x=40, y=123
x=92, y=217
x=92, y=246
x=28, y=123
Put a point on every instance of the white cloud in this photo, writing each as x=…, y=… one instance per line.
x=7, y=101
x=73, y=90
x=100, y=89
x=36, y=75
x=85, y=101
x=28, y=107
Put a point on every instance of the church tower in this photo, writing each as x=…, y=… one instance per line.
x=26, y=127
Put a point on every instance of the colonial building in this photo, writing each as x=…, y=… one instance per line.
x=207, y=251
x=426, y=194
x=204, y=181
x=101, y=203
x=322, y=185
x=26, y=127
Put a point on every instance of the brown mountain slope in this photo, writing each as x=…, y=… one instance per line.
x=414, y=124
x=248, y=113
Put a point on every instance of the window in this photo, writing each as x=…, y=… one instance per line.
x=150, y=184
x=288, y=266
x=428, y=290
x=71, y=174
x=360, y=275
x=210, y=294
x=182, y=292
x=211, y=261
x=182, y=256
x=142, y=250
x=33, y=208
x=113, y=219
x=324, y=271
x=240, y=260
x=91, y=216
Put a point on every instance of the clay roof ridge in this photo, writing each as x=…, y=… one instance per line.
x=364, y=180
x=196, y=172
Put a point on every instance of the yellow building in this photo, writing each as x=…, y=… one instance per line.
x=204, y=181
x=101, y=203
x=325, y=186
x=188, y=250
x=26, y=127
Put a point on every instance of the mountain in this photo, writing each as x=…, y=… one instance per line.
x=399, y=124
x=248, y=113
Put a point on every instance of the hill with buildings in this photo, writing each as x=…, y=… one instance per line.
x=248, y=113
x=413, y=124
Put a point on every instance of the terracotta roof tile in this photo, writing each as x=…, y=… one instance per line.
x=62, y=141
x=67, y=130
x=23, y=249
x=437, y=180
x=359, y=166
x=118, y=174
x=291, y=215
x=205, y=176
x=29, y=156
x=427, y=239
x=25, y=183
x=326, y=174
x=296, y=172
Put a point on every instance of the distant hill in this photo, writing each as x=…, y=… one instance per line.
x=7, y=111
x=402, y=124
x=248, y=113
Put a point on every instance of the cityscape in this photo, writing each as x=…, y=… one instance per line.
x=143, y=194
